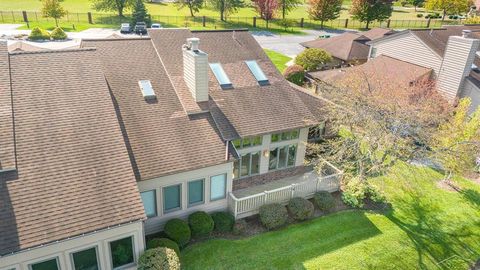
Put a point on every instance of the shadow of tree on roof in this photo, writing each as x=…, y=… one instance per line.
x=9, y=239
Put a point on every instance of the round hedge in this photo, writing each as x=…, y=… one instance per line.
x=163, y=242
x=178, y=230
x=273, y=215
x=200, y=223
x=295, y=74
x=300, y=208
x=58, y=34
x=324, y=200
x=313, y=58
x=38, y=33
x=160, y=258
x=223, y=221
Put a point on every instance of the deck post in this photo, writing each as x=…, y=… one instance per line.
x=265, y=197
x=293, y=191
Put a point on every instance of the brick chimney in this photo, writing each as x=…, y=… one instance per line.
x=195, y=69
x=457, y=64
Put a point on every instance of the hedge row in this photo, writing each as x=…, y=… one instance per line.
x=38, y=33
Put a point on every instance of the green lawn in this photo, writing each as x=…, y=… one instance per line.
x=427, y=228
x=278, y=59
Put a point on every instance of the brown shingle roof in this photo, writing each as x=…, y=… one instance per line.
x=74, y=175
x=377, y=71
x=7, y=143
x=248, y=109
x=347, y=46
x=378, y=32
x=161, y=137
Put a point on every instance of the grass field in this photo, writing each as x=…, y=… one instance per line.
x=427, y=228
x=278, y=59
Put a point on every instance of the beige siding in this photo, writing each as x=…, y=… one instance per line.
x=408, y=48
x=62, y=250
x=472, y=91
x=155, y=224
x=195, y=68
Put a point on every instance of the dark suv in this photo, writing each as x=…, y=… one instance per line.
x=140, y=28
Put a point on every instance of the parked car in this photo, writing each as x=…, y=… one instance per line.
x=125, y=28
x=156, y=26
x=140, y=28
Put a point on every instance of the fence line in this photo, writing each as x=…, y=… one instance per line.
x=215, y=22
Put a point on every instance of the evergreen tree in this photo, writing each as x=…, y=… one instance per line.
x=140, y=13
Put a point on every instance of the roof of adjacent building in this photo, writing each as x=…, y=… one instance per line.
x=348, y=46
x=249, y=109
x=161, y=137
x=73, y=174
x=376, y=72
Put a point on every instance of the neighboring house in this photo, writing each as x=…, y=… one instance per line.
x=349, y=48
x=451, y=52
x=104, y=144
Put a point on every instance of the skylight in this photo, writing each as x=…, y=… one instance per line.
x=147, y=89
x=257, y=72
x=221, y=76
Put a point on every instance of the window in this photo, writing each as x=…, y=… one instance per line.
x=149, y=203
x=85, y=259
x=218, y=187
x=257, y=72
x=122, y=252
x=172, y=198
x=195, y=192
x=248, y=164
x=221, y=76
x=285, y=136
x=147, y=89
x=282, y=157
x=373, y=52
x=51, y=264
x=247, y=142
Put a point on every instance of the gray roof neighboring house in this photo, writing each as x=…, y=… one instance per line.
x=72, y=173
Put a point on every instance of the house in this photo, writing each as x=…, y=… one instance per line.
x=349, y=48
x=451, y=52
x=102, y=145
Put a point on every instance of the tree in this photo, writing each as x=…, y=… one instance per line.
x=371, y=10
x=53, y=9
x=140, y=13
x=113, y=5
x=225, y=7
x=449, y=6
x=288, y=5
x=313, y=58
x=324, y=10
x=456, y=144
x=266, y=8
x=416, y=3
x=193, y=5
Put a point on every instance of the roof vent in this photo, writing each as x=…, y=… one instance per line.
x=147, y=89
x=192, y=44
x=466, y=33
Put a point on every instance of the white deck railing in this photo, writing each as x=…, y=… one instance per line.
x=247, y=206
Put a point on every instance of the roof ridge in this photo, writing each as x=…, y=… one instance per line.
x=220, y=30
x=117, y=39
x=52, y=51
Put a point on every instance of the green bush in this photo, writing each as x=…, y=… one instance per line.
x=419, y=15
x=356, y=191
x=58, y=34
x=273, y=215
x=160, y=258
x=374, y=194
x=295, y=74
x=313, y=58
x=163, y=242
x=324, y=200
x=300, y=208
x=200, y=223
x=223, y=221
x=39, y=34
x=178, y=230
x=240, y=227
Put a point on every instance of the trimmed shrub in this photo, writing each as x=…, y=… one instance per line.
x=324, y=200
x=240, y=227
x=419, y=15
x=313, y=58
x=200, y=223
x=295, y=74
x=223, y=221
x=39, y=34
x=178, y=230
x=300, y=208
x=163, y=242
x=273, y=215
x=58, y=34
x=160, y=258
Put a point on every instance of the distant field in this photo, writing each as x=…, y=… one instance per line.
x=170, y=9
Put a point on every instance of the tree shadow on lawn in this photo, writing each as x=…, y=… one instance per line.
x=440, y=242
x=472, y=196
x=287, y=248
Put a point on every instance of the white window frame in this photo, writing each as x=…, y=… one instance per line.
x=110, y=255
x=188, y=192
x=155, y=203
x=249, y=163
x=277, y=148
x=95, y=246
x=57, y=259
